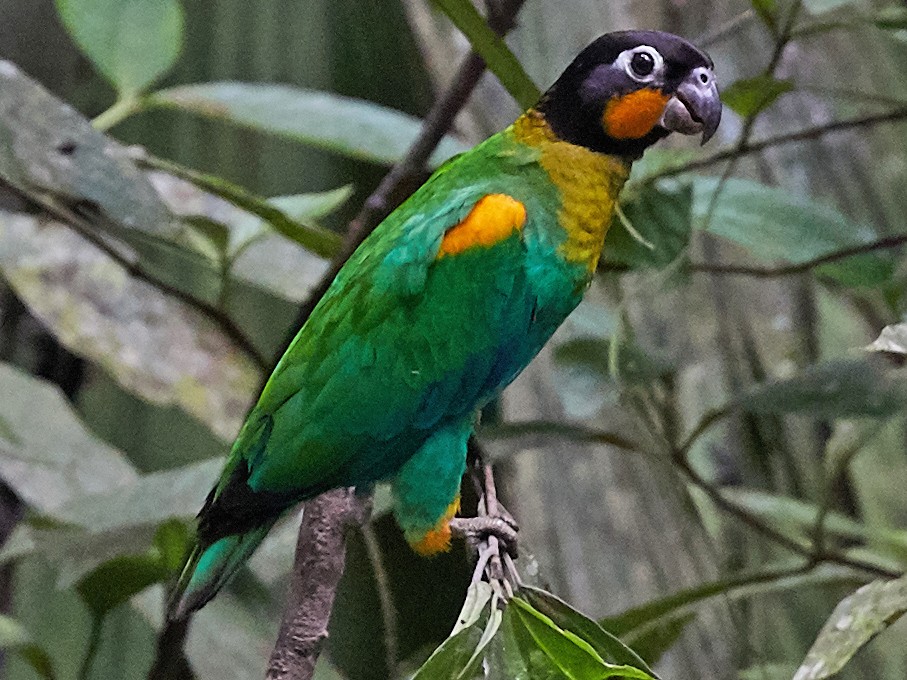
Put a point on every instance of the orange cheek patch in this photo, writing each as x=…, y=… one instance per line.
x=438, y=539
x=492, y=219
x=634, y=115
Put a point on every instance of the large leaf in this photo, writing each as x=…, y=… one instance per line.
x=154, y=345
x=609, y=647
x=768, y=581
x=856, y=620
x=833, y=389
x=53, y=459
x=493, y=49
x=114, y=582
x=49, y=152
x=225, y=639
x=460, y=654
x=570, y=654
x=776, y=224
x=149, y=500
x=349, y=126
x=131, y=42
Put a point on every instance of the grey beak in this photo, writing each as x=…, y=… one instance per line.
x=695, y=106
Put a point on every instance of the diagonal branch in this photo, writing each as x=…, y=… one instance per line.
x=810, y=133
x=800, y=267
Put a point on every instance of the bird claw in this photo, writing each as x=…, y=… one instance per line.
x=477, y=529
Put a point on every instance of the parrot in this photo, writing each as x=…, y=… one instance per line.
x=445, y=303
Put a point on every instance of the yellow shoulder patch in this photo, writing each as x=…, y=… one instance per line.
x=634, y=115
x=492, y=219
x=437, y=540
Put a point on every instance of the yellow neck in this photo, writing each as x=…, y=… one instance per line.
x=589, y=183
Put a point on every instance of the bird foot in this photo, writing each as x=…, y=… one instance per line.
x=477, y=529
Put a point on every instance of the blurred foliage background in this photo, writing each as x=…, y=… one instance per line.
x=705, y=459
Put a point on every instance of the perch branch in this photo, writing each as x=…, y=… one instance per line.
x=318, y=566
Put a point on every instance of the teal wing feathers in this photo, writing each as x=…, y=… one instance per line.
x=403, y=342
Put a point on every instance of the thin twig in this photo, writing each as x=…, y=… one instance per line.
x=800, y=267
x=815, y=132
x=385, y=597
x=744, y=515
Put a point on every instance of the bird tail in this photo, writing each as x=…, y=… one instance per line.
x=209, y=569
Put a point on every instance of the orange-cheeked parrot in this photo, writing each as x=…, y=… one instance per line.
x=446, y=302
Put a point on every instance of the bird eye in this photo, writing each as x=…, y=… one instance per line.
x=642, y=64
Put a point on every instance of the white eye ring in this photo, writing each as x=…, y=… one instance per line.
x=625, y=61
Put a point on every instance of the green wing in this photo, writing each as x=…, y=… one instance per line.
x=400, y=342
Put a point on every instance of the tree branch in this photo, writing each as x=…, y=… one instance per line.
x=800, y=267
x=806, y=134
x=318, y=566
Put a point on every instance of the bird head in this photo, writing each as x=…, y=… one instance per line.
x=629, y=89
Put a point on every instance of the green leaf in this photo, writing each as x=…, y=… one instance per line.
x=767, y=10
x=301, y=211
x=654, y=641
x=776, y=224
x=609, y=647
x=155, y=345
x=15, y=638
x=453, y=659
x=352, y=127
x=55, y=458
x=173, y=540
x=297, y=227
x=856, y=620
x=151, y=499
x=749, y=96
x=663, y=216
x=215, y=234
x=797, y=519
x=892, y=18
x=575, y=658
x=500, y=60
x=769, y=580
x=833, y=389
x=892, y=340
x=131, y=42
x=114, y=582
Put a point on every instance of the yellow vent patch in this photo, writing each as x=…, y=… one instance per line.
x=437, y=540
x=634, y=115
x=492, y=219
